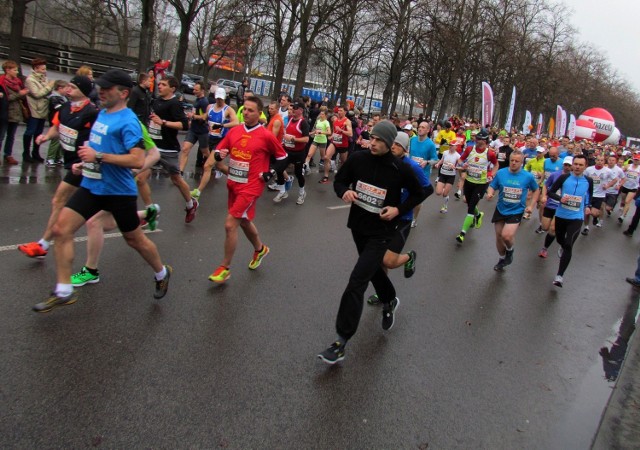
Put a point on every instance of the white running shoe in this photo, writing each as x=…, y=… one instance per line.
x=282, y=194
x=301, y=198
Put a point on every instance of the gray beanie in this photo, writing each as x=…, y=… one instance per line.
x=385, y=131
x=402, y=139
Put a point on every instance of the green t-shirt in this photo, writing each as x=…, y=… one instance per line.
x=324, y=126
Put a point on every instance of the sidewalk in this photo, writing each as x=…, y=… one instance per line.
x=620, y=425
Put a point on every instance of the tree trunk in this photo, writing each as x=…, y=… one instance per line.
x=147, y=28
x=17, y=24
x=181, y=54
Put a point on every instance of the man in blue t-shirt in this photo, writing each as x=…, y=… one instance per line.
x=513, y=185
x=115, y=147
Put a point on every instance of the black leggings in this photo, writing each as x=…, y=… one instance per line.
x=371, y=251
x=473, y=192
x=297, y=159
x=567, y=231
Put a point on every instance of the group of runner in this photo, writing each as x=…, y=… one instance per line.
x=384, y=173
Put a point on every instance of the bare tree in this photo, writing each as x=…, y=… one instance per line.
x=187, y=11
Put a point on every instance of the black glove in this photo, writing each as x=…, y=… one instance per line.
x=268, y=175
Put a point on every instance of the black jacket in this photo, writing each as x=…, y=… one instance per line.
x=379, y=181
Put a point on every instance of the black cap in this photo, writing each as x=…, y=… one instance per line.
x=83, y=84
x=297, y=105
x=483, y=134
x=115, y=77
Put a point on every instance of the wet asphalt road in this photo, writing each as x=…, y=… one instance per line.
x=476, y=359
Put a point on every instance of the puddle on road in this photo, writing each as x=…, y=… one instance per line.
x=577, y=429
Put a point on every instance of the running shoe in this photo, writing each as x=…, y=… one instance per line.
x=457, y=195
x=460, y=238
x=301, y=198
x=163, y=285
x=539, y=230
x=414, y=224
x=220, y=275
x=33, y=250
x=333, y=354
x=54, y=301
x=83, y=277
x=51, y=163
x=633, y=282
x=443, y=209
x=620, y=220
x=410, y=266
x=333, y=167
x=191, y=212
x=585, y=231
x=388, y=313
x=153, y=211
x=557, y=281
x=560, y=251
x=306, y=169
x=478, y=220
x=273, y=186
x=324, y=180
x=500, y=266
x=599, y=224
x=195, y=194
x=543, y=253
x=508, y=257
x=373, y=300
x=257, y=257
x=280, y=195
x=627, y=233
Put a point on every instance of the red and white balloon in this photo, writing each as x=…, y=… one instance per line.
x=585, y=130
x=602, y=120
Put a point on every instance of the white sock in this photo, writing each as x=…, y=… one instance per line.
x=64, y=290
x=44, y=244
x=162, y=274
x=190, y=204
x=301, y=190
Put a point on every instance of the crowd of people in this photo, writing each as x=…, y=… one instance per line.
x=382, y=167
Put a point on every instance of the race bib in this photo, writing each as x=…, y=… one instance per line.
x=215, y=129
x=337, y=138
x=596, y=180
x=512, y=194
x=92, y=170
x=68, y=138
x=474, y=172
x=155, y=131
x=290, y=143
x=448, y=169
x=370, y=197
x=417, y=159
x=537, y=176
x=238, y=171
x=632, y=175
x=573, y=202
x=502, y=156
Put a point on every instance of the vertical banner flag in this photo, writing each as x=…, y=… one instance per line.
x=512, y=106
x=557, y=123
x=572, y=127
x=539, y=127
x=527, y=122
x=563, y=124
x=487, y=104
x=552, y=127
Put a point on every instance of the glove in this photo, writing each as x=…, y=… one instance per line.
x=268, y=175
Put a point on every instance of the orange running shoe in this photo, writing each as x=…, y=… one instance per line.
x=33, y=250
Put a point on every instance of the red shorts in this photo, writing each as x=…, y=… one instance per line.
x=242, y=205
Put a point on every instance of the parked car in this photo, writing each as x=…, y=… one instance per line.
x=230, y=86
x=187, y=84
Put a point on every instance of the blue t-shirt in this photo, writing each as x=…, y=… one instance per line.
x=113, y=133
x=199, y=126
x=576, y=189
x=552, y=166
x=424, y=150
x=422, y=178
x=551, y=203
x=529, y=153
x=513, y=188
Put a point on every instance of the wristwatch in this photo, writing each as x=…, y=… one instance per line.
x=99, y=156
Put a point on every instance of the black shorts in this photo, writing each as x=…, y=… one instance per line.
x=123, y=207
x=611, y=200
x=73, y=180
x=400, y=236
x=549, y=213
x=624, y=190
x=296, y=157
x=213, y=142
x=511, y=218
x=341, y=150
x=446, y=179
x=201, y=138
x=596, y=202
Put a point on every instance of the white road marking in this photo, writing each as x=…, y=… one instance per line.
x=5, y=248
x=339, y=207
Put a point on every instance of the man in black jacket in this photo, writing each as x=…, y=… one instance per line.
x=140, y=99
x=372, y=182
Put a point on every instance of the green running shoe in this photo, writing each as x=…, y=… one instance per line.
x=84, y=277
x=153, y=211
x=195, y=194
x=478, y=221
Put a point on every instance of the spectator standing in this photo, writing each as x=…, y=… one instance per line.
x=38, y=99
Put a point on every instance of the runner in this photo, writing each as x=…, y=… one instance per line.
x=603, y=179
x=447, y=167
x=612, y=193
x=630, y=186
x=115, y=148
x=295, y=141
x=372, y=182
x=322, y=129
x=513, y=185
x=550, y=206
x=476, y=162
x=198, y=130
x=423, y=151
x=551, y=165
x=71, y=125
x=249, y=147
x=575, y=194
x=339, y=142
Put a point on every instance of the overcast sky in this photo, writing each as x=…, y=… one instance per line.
x=613, y=27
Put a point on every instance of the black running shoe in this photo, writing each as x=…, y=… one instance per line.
x=163, y=285
x=54, y=301
x=508, y=257
x=388, y=313
x=500, y=266
x=410, y=266
x=333, y=354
